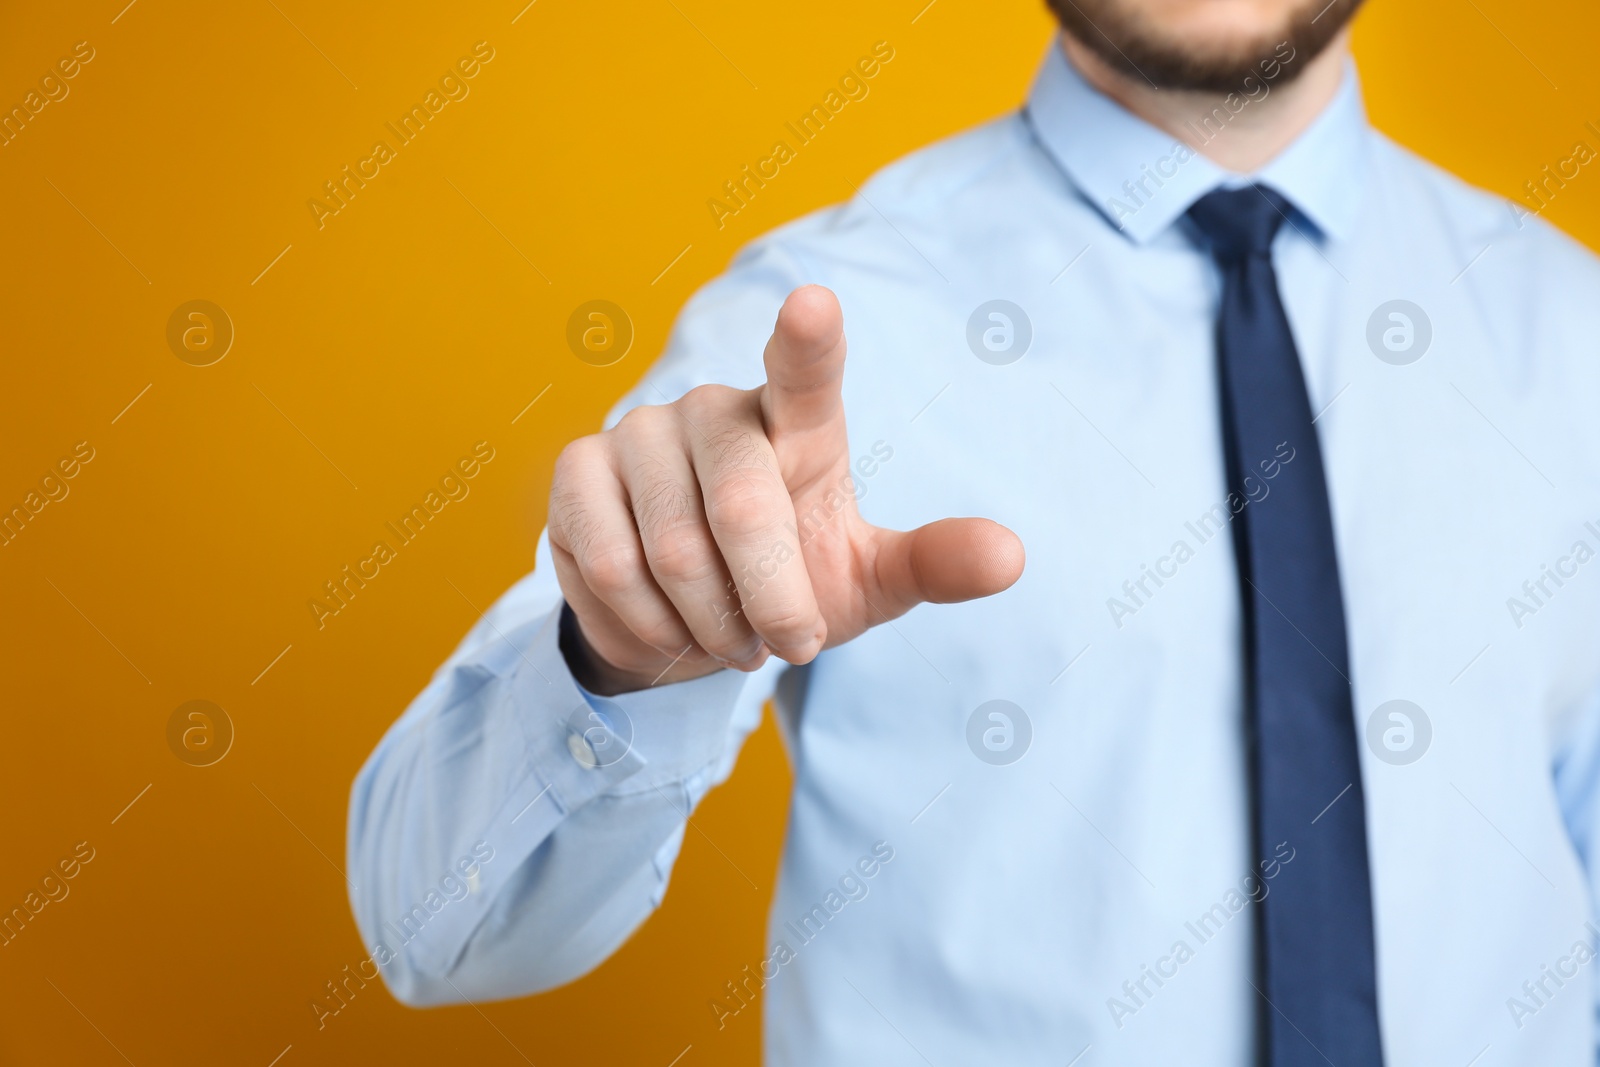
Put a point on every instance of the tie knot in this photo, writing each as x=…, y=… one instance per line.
x=1239, y=222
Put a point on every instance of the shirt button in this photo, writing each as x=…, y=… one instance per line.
x=582, y=751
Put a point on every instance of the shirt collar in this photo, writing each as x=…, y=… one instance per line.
x=1143, y=179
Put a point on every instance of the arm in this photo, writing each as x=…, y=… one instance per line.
x=479, y=766
x=486, y=859
x=509, y=817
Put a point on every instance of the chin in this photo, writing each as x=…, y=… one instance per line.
x=1205, y=45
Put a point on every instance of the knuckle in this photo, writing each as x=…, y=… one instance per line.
x=572, y=525
x=721, y=628
x=680, y=554
x=635, y=420
x=737, y=447
x=577, y=456
x=709, y=399
x=664, y=502
x=611, y=568
x=574, y=467
x=739, y=503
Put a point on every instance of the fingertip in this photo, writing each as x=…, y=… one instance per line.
x=963, y=559
x=811, y=317
x=809, y=651
x=1000, y=555
x=819, y=641
x=799, y=643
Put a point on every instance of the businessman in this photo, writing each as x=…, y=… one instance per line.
x=1282, y=744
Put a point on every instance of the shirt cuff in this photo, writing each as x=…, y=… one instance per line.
x=582, y=745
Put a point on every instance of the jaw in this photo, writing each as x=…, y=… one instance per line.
x=1202, y=45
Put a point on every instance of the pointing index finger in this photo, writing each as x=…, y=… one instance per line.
x=805, y=363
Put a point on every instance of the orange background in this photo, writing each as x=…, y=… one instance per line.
x=422, y=318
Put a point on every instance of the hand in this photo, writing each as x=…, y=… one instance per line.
x=721, y=529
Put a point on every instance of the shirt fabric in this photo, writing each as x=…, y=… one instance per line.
x=1075, y=879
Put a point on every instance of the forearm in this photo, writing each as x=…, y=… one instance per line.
x=489, y=856
x=483, y=763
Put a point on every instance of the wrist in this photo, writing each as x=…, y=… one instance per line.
x=591, y=670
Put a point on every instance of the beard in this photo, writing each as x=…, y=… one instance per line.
x=1115, y=31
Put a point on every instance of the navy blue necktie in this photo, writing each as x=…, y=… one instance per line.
x=1315, y=940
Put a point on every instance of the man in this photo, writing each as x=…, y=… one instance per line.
x=1282, y=749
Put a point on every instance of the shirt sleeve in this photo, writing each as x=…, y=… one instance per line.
x=1576, y=778
x=508, y=834
x=1577, y=787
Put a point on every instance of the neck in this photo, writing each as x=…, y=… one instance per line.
x=1272, y=115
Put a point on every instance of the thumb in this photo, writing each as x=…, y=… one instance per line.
x=946, y=562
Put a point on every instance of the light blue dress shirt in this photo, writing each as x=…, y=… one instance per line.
x=1066, y=877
